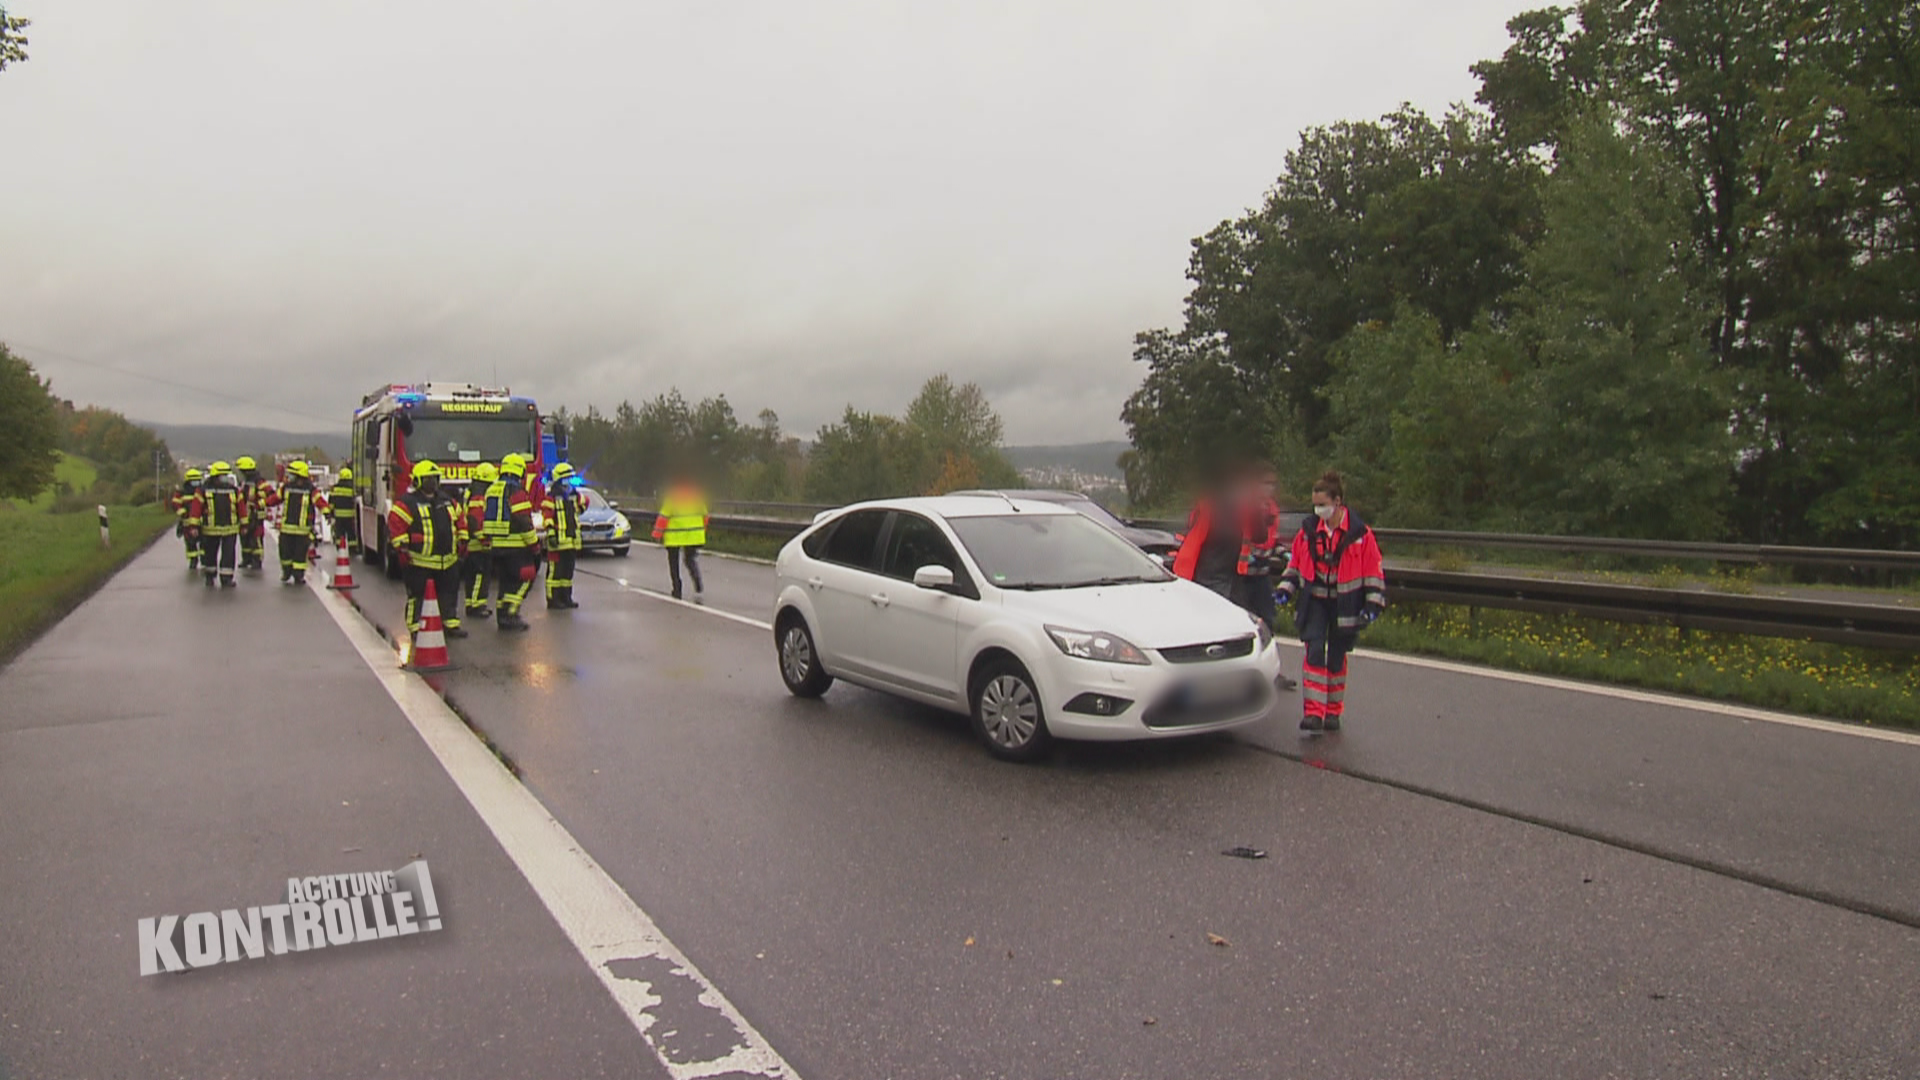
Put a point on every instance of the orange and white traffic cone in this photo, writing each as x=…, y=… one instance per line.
x=430, y=644
x=342, y=573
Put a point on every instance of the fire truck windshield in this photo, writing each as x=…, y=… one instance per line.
x=468, y=438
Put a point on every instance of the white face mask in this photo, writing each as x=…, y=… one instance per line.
x=1326, y=512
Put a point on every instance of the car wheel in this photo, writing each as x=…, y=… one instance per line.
x=799, y=661
x=1007, y=715
x=623, y=550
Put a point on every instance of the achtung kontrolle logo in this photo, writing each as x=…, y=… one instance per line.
x=335, y=909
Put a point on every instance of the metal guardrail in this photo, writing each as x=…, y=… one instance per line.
x=1887, y=626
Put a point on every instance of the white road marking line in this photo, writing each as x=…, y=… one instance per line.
x=597, y=916
x=1650, y=697
x=717, y=613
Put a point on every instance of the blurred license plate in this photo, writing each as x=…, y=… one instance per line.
x=1213, y=692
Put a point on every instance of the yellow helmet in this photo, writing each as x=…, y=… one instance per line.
x=193, y=474
x=346, y=473
x=485, y=472
x=514, y=465
x=297, y=468
x=424, y=470
x=246, y=464
x=219, y=468
x=562, y=471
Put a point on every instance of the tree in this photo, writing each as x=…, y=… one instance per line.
x=29, y=429
x=1622, y=424
x=865, y=456
x=13, y=38
x=957, y=473
x=958, y=422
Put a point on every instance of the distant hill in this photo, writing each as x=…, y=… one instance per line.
x=212, y=442
x=1092, y=459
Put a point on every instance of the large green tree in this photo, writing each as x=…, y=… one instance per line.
x=29, y=429
x=13, y=38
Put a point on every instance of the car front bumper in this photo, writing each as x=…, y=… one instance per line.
x=1163, y=699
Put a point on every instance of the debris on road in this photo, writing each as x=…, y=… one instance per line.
x=1149, y=1022
x=1245, y=853
x=968, y=943
x=1216, y=939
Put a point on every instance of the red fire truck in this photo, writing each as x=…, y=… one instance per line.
x=454, y=425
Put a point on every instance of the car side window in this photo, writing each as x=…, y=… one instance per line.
x=855, y=538
x=916, y=542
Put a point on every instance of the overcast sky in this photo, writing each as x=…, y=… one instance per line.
x=798, y=204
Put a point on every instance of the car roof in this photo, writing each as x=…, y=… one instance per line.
x=960, y=506
x=1047, y=495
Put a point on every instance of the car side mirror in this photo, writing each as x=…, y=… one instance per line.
x=613, y=504
x=938, y=578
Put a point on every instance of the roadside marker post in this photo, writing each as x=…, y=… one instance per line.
x=105, y=540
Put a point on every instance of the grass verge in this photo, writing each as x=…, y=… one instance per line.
x=752, y=545
x=49, y=563
x=1869, y=686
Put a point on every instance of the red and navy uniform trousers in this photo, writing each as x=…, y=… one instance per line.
x=1334, y=572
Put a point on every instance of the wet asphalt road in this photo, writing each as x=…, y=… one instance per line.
x=880, y=899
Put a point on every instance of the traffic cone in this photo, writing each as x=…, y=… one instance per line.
x=430, y=644
x=343, y=573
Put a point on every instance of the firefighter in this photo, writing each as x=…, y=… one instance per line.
x=182, y=501
x=430, y=536
x=216, y=517
x=476, y=568
x=562, y=511
x=299, y=517
x=343, y=508
x=256, y=497
x=682, y=526
x=1334, y=571
x=510, y=532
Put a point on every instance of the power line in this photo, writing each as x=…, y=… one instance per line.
x=175, y=383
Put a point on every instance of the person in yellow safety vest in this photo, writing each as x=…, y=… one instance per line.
x=682, y=527
x=344, y=507
x=182, y=501
x=562, y=510
x=430, y=537
x=216, y=517
x=298, y=518
x=477, y=568
x=507, y=523
x=255, y=498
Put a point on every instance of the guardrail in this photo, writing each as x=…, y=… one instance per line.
x=1882, y=625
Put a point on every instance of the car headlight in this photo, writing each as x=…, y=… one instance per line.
x=621, y=526
x=1261, y=629
x=1093, y=645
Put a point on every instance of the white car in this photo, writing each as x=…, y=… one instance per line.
x=1034, y=620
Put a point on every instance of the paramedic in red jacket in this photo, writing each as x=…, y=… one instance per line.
x=1334, y=572
x=1215, y=545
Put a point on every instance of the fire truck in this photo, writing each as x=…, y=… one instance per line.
x=454, y=425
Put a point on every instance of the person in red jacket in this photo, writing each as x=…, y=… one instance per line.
x=1334, y=572
x=1215, y=545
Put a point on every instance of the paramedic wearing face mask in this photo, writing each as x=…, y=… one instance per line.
x=1334, y=573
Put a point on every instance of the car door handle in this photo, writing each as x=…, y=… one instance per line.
x=879, y=599
x=814, y=583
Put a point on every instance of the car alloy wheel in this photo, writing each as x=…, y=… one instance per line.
x=799, y=662
x=1009, y=712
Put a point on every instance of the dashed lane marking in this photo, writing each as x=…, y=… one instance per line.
x=691, y=1027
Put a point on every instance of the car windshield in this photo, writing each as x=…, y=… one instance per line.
x=1052, y=551
x=595, y=500
x=468, y=438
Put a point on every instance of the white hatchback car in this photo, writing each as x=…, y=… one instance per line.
x=1036, y=621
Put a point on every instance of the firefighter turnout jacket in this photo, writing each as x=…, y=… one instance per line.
x=340, y=500
x=429, y=529
x=562, y=510
x=507, y=517
x=218, y=510
x=298, y=510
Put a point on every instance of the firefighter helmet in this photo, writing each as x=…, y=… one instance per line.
x=193, y=474
x=219, y=468
x=299, y=468
x=424, y=470
x=562, y=471
x=246, y=464
x=346, y=473
x=485, y=472
x=514, y=465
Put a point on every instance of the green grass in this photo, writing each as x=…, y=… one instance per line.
x=752, y=545
x=76, y=472
x=51, y=562
x=1870, y=686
